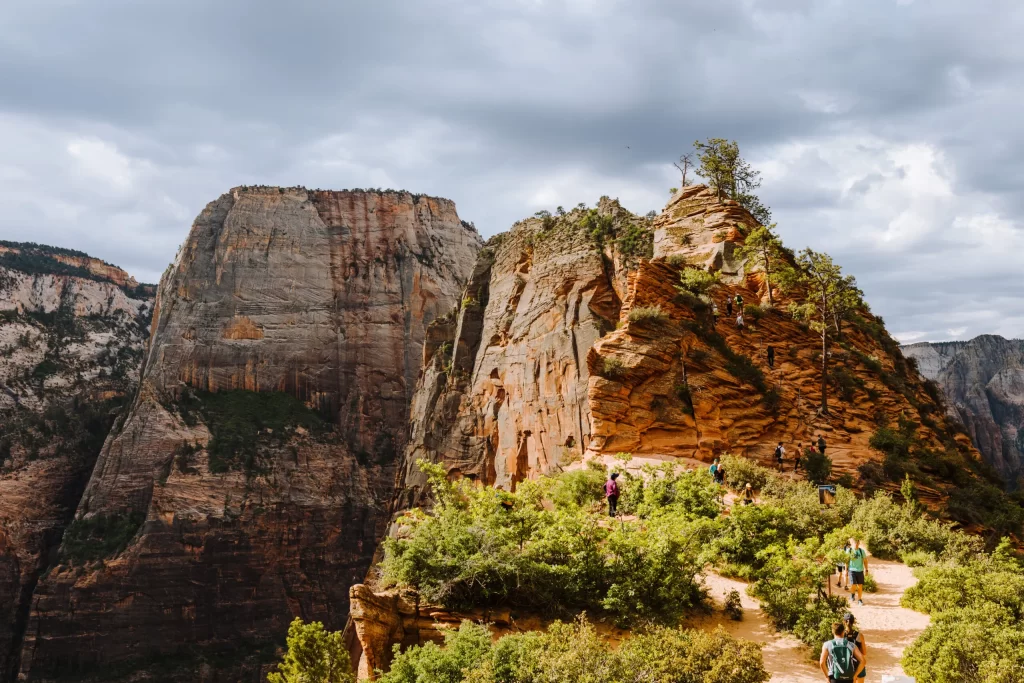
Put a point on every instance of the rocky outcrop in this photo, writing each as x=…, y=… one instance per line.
x=565, y=350
x=70, y=350
x=252, y=476
x=503, y=395
x=983, y=380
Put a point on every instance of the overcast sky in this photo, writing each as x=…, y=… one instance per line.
x=889, y=132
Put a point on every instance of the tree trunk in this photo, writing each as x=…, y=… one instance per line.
x=824, y=373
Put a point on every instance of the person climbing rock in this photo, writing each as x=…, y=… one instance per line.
x=611, y=492
x=771, y=356
x=780, y=453
x=840, y=660
x=748, y=495
x=728, y=307
x=858, y=567
x=821, y=444
x=844, y=581
x=856, y=638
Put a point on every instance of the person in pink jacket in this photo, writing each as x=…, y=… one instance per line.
x=611, y=492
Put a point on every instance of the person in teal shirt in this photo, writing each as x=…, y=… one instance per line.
x=858, y=567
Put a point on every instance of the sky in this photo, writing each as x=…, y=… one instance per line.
x=888, y=132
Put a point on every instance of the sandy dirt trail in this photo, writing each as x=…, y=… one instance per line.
x=887, y=627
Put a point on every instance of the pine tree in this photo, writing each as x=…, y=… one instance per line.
x=764, y=248
x=314, y=655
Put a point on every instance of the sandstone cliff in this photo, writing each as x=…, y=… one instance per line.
x=251, y=477
x=983, y=380
x=70, y=349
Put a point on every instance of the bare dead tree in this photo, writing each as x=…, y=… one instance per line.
x=687, y=161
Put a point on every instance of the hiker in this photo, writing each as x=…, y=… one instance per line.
x=799, y=454
x=840, y=660
x=856, y=638
x=714, y=469
x=780, y=453
x=821, y=444
x=748, y=495
x=611, y=492
x=771, y=356
x=728, y=307
x=841, y=567
x=714, y=312
x=857, y=567
x=739, y=302
x=739, y=322
x=720, y=475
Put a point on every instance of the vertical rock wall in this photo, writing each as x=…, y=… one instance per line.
x=323, y=299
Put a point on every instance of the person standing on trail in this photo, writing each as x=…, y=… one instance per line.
x=739, y=302
x=821, y=444
x=714, y=312
x=748, y=495
x=841, y=567
x=714, y=469
x=771, y=356
x=728, y=307
x=780, y=453
x=858, y=567
x=739, y=322
x=841, y=661
x=856, y=638
x=611, y=492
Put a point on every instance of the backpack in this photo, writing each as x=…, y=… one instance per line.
x=778, y=453
x=853, y=639
x=840, y=659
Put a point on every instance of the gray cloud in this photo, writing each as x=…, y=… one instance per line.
x=887, y=130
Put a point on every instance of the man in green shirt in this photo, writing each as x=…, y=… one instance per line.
x=858, y=567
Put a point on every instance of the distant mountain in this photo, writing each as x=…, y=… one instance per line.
x=983, y=379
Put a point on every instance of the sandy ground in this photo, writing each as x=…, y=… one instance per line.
x=887, y=627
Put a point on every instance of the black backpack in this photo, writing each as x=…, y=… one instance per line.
x=778, y=453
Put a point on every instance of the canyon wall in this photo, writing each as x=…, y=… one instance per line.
x=70, y=349
x=983, y=380
x=252, y=476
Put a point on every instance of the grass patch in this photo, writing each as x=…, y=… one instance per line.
x=647, y=314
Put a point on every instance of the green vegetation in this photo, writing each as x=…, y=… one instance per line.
x=697, y=281
x=240, y=421
x=314, y=655
x=575, y=652
x=764, y=248
x=647, y=314
x=100, y=536
x=479, y=548
x=612, y=368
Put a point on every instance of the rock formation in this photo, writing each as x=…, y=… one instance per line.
x=71, y=341
x=983, y=380
x=251, y=477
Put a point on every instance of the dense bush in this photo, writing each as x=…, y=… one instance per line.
x=575, y=652
x=578, y=488
x=671, y=489
x=979, y=645
x=818, y=466
x=749, y=531
x=314, y=654
x=892, y=530
x=740, y=471
x=478, y=548
x=697, y=281
x=100, y=536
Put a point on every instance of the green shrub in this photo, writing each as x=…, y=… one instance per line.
x=575, y=652
x=743, y=369
x=771, y=401
x=697, y=281
x=734, y=605
x=477, y=548
x=669, y=488
x=818, y=466
x=870, y=585
x=612, y=368
x=753, y=312
x=739, y=471
x=579, y=488
x=464, y=650
x=647, y=314
x=100, y=536
x=239, y=421
x=980, y=645
x=749, y=530
x=313, y=654
x=891, y=530
x=807, y=517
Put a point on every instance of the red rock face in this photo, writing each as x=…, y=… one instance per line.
x=324, y=296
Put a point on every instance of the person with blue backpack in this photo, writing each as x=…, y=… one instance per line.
x=841, y=661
